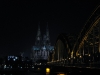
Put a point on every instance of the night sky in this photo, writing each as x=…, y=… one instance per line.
x=19, y=21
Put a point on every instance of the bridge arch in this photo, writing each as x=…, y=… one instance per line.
x=86, y=49
x=62, y=49
x=87, y=46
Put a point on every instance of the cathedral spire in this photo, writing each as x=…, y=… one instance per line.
x=47, y=35
x=38, y=32
x=38, y=36
x=47, y=31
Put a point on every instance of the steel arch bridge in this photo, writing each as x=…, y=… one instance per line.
x=86, y=49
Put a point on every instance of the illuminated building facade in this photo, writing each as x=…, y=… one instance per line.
x=42, y=47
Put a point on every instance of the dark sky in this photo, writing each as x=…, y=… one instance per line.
x=19, y=21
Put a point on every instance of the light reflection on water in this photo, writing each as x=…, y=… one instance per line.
x=30, y=73
x=21, y=74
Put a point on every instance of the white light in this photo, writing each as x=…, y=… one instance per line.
x=8, y=59
x=11, y=66
x=10, y=56
x=4, y=66
x=14, y=59
x=33, y=67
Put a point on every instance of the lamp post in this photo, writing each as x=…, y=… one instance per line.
x=80, y=57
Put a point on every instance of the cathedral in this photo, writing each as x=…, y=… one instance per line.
x=42, y=48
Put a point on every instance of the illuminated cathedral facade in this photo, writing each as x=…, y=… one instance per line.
x=42, y=48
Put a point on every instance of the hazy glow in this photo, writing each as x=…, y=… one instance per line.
x=61, y=74
x=47, y=70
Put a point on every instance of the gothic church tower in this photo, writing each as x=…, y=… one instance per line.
x=42, y=47
x=38, y=36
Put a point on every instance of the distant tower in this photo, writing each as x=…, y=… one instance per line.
x=46, y=38
x=42, y=47
x=22, y=54
x=38, y=37
x=47, y=34
x=47, y=31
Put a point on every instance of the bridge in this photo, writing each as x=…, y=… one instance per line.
x=85, y=51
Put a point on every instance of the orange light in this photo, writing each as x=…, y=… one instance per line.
x=61, y=74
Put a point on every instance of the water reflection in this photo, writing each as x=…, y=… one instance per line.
x=32, y=74
x=28, y=73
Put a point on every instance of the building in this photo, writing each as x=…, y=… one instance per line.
x=16, y=62
x=42, y=47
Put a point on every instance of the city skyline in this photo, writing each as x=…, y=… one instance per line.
x=19, y=21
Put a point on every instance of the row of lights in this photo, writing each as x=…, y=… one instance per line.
x=70, y=58
x=5, y=66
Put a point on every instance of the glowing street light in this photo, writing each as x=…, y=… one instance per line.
x=74, y=57
x=47, y=71
x=61, y=74
x=80, y=56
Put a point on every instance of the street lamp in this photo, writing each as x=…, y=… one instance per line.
x=80, y=56
x=89, y=55
x=74, y=57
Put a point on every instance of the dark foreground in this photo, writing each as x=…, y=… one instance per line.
x=54, y=70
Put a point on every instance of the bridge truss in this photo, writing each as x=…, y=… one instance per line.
x=86, y=49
